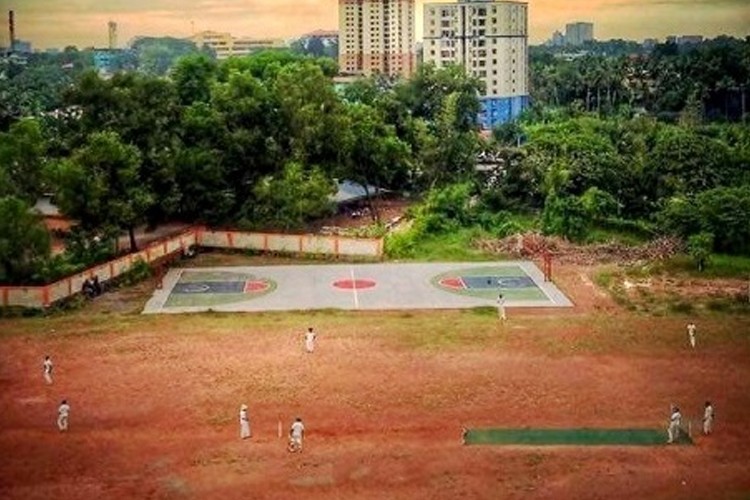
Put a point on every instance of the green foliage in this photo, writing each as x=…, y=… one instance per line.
x=100, y=185
x=565, y=216
x=289, y=200
x=193, y=76
x=22, y=157
x=598, y=204
x=699, y=247
x=157, y=55
x=139, y=271
x=723, y=212
x=456, y=246
x=445, y=209
x=24, y=241
x=693, y=83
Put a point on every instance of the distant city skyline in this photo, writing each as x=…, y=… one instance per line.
x=56, y=23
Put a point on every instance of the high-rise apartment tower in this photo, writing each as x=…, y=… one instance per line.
x=112, y=26
x=579, y=33
x=376, y=37
x=490, y=39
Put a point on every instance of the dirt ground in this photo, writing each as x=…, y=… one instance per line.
x=155, y=402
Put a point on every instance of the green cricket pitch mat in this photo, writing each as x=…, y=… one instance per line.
x=572, y=437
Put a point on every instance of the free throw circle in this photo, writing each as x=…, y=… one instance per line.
x=354, y=284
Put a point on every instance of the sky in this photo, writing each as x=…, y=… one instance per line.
x=57, y=23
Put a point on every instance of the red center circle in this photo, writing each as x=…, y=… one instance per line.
x=354, y=284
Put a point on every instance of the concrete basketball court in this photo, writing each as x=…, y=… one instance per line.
x=355, y=286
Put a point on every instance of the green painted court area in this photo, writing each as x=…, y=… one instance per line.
x=487, y=281
x=572, y=437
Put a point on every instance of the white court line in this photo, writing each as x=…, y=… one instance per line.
x=354, y=288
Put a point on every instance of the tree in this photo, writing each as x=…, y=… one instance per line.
x=286, y=201
x=22, y=156
x=24, y=241
x=450, y=152
x=372, y=154
x=699, y=247
x=193, y=76
x=101, y=187
x=156, y=55
x=565, y=216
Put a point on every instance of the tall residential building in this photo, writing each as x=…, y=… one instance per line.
x=489, y=39
x=376, y=37
x=112, y=30
x=579, y=33
x=225, y=45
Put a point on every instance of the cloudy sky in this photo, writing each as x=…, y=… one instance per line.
x=56, y=23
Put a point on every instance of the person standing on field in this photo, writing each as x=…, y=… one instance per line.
x=501, y=307
x=63, y=411
x=47, y=369
x=296, y=433
x=691, y=334
x=310, y=340
x=708, y=418
x=244, y=423
x=675, y=421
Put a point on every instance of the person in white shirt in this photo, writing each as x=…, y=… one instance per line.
x=296, y=433
x=691, y=334
x=47, y=369
x=310, y=340
x=501, y=307
x=63, y=411
x=244, y=423
x=708, y=418
x=675, y=421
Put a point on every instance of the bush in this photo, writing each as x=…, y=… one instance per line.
x=138, y=272
x=565, y=216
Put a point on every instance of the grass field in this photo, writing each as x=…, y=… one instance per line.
x=384, y=399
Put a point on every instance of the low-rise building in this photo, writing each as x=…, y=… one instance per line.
x=225, y=45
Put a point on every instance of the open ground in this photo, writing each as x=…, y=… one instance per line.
x=155, y=400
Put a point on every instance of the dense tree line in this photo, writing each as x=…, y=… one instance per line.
x=711, y=78
x=250, y=142
x=257, y=142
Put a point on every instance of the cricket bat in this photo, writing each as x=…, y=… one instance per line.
x=279, y=427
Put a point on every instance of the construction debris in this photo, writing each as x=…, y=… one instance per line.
x=535, y=245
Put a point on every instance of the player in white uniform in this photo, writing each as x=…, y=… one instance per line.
x=47, y=369
x=708, y=418
x=296, y=433
x=501, y=307
x=691, y=334
x=310, y=340
x=675, y=420
x=244, y=423
x=62, y=415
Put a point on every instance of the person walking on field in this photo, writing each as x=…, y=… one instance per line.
x=244, y=423
x=47, y=369
x=310, y=337
x=675, y=421
x=501, y=307
x=708, y=418
x=63, y=411
x=296, y=433
x=691, y=334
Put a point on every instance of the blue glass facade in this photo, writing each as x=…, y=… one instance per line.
x=498, y=110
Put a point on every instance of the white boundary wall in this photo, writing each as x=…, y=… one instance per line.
x=44, y=296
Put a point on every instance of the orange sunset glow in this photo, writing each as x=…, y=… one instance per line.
x=56, y=23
